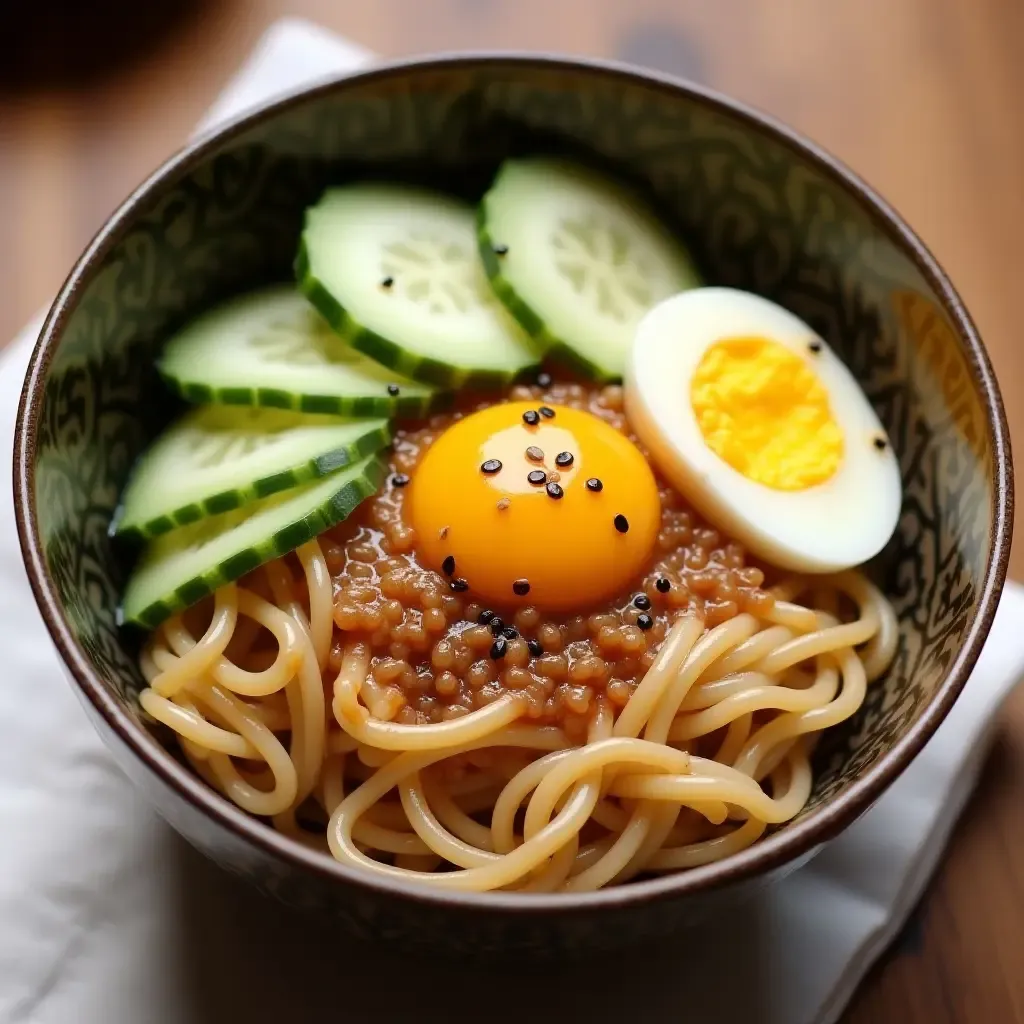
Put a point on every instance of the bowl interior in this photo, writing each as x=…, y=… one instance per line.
x=757, y=212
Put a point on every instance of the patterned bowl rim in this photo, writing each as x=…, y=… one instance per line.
x=769, y=853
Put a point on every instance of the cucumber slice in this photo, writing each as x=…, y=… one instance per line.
x=180, y=567
x=272, y=348
x=577, y=259
x=219, y=457
x=395, y=272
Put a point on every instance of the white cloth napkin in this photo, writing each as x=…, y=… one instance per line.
x=107, y=917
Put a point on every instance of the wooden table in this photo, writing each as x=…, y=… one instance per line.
x=925, y=98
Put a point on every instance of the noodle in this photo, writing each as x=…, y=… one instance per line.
x=709, y=751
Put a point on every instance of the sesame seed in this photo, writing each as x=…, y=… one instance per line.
x=387, y=282
x=547, y=412
x=530, y=417
x=664, y=585
x=535, y=648
x=521, y=587
x=880, y=443
x=621, y=523
x=497, y=625
x=399, y=480
x=448, y=565
x=501, y=250
x=498, y=648
x=459, y=585
x=503, y=503
x=484, y=618
x=544, y=380
x=815, y=346
x=642, y=601
x=554, y=477
x=537, y=477
x=393, y=390
x=534, y=454
x=644, y=621
x=443, y=532
x=554, y=490
x=595, y=485
x=563, y=459
x=490, y=466
x=510, y=632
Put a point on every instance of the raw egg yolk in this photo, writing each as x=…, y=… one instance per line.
x=764, y=411
x=530, y=504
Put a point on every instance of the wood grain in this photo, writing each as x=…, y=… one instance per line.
x=925, y=98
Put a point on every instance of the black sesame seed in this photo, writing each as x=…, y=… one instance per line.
x=644, y=621
x=554, y=491
x=534, y=454
x=490, y=466
x=498, y=648
x=880, y=443
x=497, y=625
x=387, y=282
x=595, y=485
x=664, y=585
x=536, y=477
x=621, y=523
x=448, y=565
x=501, y=250
x=459, y=585
x=563, y=459
x=544, y=380
x=393, y=390
x=485, y=617
x=521, y=587
x=510, y=632
x=547, y=412
x=535, y=648
x=399, y=480
x=642, y=601
x=815, y=346
x=530, y=417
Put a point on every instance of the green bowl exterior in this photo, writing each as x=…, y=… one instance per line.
x=760, y=210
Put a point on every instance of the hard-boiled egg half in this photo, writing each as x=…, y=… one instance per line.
x=761, y=426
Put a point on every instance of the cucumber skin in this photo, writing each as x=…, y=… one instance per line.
x=523, y=312
x=524, y=315
x=226, y=501
x=422, y=369
x=402, y=407
x=340, y=506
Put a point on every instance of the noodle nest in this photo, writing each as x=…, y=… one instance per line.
x=488, y=800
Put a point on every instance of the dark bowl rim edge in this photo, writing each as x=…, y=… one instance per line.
x=767, y=854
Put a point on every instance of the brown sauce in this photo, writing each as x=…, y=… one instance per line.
x=432, y=655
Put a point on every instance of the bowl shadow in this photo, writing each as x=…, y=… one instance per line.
x=242, y=956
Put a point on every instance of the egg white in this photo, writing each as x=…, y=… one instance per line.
x=831, y=526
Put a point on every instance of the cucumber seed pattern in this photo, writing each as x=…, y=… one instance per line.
x=595, y=256
x=221, y=438
x=436, y=271
x=291, y=342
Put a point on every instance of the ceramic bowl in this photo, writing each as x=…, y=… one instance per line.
x=761, y=209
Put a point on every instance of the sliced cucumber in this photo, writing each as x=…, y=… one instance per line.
x=577, y=259
x=395, y=272
x=272, y=348
x=180, y=567
x=219, y=457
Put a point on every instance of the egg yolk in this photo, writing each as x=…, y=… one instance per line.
x=764, y=411
x=554, y=508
